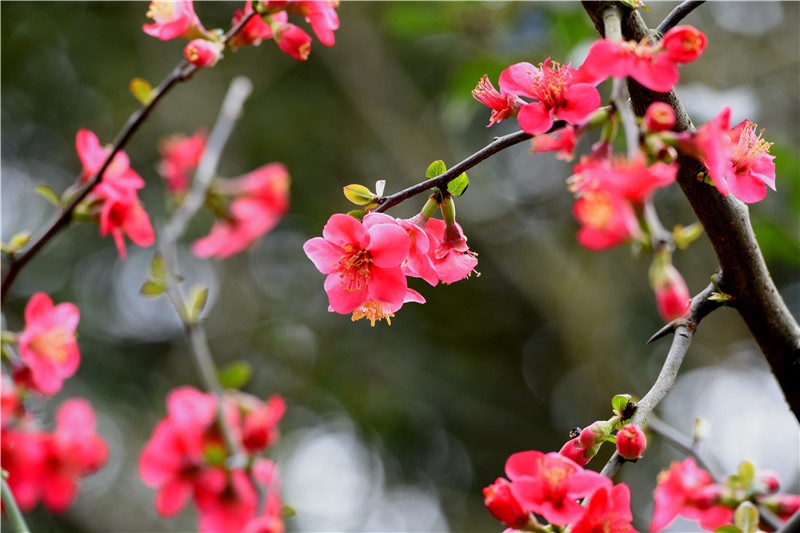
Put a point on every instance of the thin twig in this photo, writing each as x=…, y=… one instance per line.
x=238, y=92
x=12, y=509
x=678, y=14
x=183, y=71
x=699, y=308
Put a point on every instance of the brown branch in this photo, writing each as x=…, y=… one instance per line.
x=727, y=224
x=17, y=261
x=678, y=14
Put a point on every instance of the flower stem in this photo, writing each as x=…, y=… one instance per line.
x=14, y=514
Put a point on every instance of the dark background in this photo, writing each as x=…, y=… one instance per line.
x=391, y=428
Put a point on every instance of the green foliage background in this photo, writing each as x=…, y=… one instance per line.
x=500, y=363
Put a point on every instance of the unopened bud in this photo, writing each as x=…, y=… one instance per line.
x=631, y=442
x=659, y=117
x=202, y=52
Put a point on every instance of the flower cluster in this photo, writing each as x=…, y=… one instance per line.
x=188, y=458
x=46, y=466
x=114, y=202
x=367, y=261
x=259, y=200
x=549, y=486
x=268, y=19
x=689, y=491
x=180, y=155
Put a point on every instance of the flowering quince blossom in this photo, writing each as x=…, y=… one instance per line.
x=180, y=156
x=419, y=263
x=502, y=103
x=562, y=141
x=558, y=91
x=47, y=345
x=501, y=503
x=173, y=18
x=606, y=220
x=322, y=16
x=261, y=199
x=202, y=53
x=711, y=143
x=659, y=117
x=688, y=491
x=293, y=40
x=120, y=212
x=753, y=169
x=363, y=263
x=652, y=65
x=633, y=178
x=549, y=485
x=609, y=511
x=46, y=467
x=452, y=258
x=256, y=29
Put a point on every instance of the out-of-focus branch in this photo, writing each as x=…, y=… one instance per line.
x=727, y=223
x=12, y=509
x=678, y=14
x=238, y=92
x=684, y=330
x=16, y=262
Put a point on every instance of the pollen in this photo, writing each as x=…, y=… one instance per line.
x=374, y=312
x=53, y=344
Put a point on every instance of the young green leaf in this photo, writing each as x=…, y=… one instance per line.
x=620, y=402
x=746, y=517
x=49, y=194
x=458, y=185
x=235, y=375
x=157, y=268
x=358, y=194
x=357, y=214
x=198, y=297
x=141, y=90
x=151, y=288
x=437, y=168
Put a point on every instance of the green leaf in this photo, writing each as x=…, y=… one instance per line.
x=49, y=194
x=458, y=185
x=141, y=90
x=157, y=267
x=287, y=511
x=728, y=529
x=357, y=214
x=746, y=517
x=437, y=168
x=235, y=375
x=620, y=402
x=746, y=473
x=358, y=194
x=151, y=288
x=198, y=297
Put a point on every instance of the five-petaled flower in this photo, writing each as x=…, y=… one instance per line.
x=502, y=103
x=173, y=18
x=47, y=345
x=558, y=93
x=179, y=157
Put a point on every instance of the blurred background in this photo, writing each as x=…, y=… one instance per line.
x=392, y=428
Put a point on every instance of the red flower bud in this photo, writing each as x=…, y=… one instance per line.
x=573, y=450
x=202, y=53
x=659, y=117
x=501, y=503
x=684, y=44
x=631, y=442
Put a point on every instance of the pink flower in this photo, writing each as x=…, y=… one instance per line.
x=711, y=143
x=179, y=157
x=293, y=40
x=562, y=141
x=659, y=117
x=120, y=212
x=452, y=258
x=322, y=16
x=683, y=44
x=173, y=18
x=557, y=93
x=175, y=456
x=503, y=104
x=22, y=455
x=633, y=179
x=606, y=220
x=631, y=442
x=255, y=30
x=752, y=168
x=419, y=263
x=262, y=198
x=501, y=503
x=609, y=511
x=549, y=485
x=71, y=452
x=621, y=59
x=202, y=52
x=260, y=428
x=688, y=491
x=47, y=345
x=362, y=261
x=672, y=294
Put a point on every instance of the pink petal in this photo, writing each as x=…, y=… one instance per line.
x=746, y=188
x=523, y=464
x=389, y=245
x=344, y=229
x=566, y=512
x=46, y=375
x=605, y=59
x=519, y=79
x=66, y=315
x=172, y=497
x=75, y=416
x=89, y=150
x=535, y=118
x=341, y=300
x=38, y=308
x=190, y=408
x=582, y=101
x=659, y=76
x=387, y=285
x=584, y=483
x=59, y=493
x=323, y=254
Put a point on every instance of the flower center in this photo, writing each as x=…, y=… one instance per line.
x=53, y=343
x=749, y=148
x=551, y=83
x=354, y=267
x=374, y=312
x=597, y=210
x=160, y=11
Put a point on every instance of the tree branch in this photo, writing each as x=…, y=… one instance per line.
x=684, y=330
x=678, y=14
x=727, y=224
x=182, y=71
x=12, y=509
